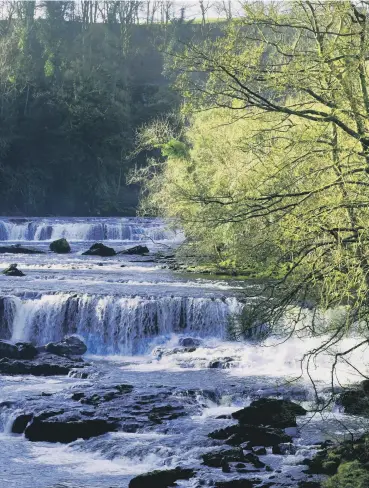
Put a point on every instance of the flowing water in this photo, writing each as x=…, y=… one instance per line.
x=132, y=312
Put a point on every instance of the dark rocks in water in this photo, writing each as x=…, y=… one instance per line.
x=60, y=246
x=21, y=422
x=70, y=346
x=13, y=271
x=136, y=250
x=356, y=400
x=254, y=460
x=222, y=363
x=8, y=350
x=42, y=365
x=269, y=411
x=19, y=250
x=66, y=428
x=189, y=342
x=100, y=249
x=161, y=479
x=240, y=483
x=215, y=459
x=26, y=350
x=259, y=450
x=309, y=484
x=235, y=435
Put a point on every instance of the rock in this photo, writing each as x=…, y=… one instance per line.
x=70, y=346
x=8, y=350
x=65, y=429
x=136, y=250
x=13, y=271
x=43, y=365
x=19, y=250
x=189, y=342
x=240, y=483
x=309, y=484
x=286, y=448
x=26, y=350
x=100, y=249
x=222, y=363
x=161, y=479
x=21, y=422
x=355, y=401
x=235, y=435
x=60, y=246
x=268, y=411
x=215, y=459
x=259, y=450
x=254, y=460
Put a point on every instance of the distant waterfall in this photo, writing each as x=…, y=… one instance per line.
x=86, y=229
x=114, y=325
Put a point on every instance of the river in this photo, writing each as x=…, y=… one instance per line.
x=132, y=312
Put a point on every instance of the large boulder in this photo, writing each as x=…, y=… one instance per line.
x=60, y=246
x=67, y=428
x=8, y=350
x=269, y=411
x=189, y=342
x=13, y=271
x=19, y=250
x=161, y=479
x=253, y=435
x=136, y=250
x=26, y=350
x=100, y=249
x=70, y=346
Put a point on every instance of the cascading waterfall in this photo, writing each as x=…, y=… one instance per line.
x=113, y=324
x=87, y=229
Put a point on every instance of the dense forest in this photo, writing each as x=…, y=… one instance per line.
x=77, y=81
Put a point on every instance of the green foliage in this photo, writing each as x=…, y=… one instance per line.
x=74, y=92
x=350, y=475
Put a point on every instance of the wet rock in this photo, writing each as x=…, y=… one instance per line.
x=26, y=350
x=136, y=250
x=161, y=479
x=222, y=363
x=254, y=460
x=66, y=428
x=283, y=449
x=215, y=459
x=70, y=346
x=60, y=246
x=309, y=484
x=8, y=350
x=42, y=365
x=259, y=450
x=13, y=271
x=268, y=411
x=355, y=401
x=19, y=250
x=240, y=483
x=21, y=422
x=235, y=435
x=100, y=249
x=189, y=342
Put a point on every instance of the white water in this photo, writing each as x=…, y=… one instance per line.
x=113, y=324
x=86, y=229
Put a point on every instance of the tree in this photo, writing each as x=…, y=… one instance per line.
x=296, y=76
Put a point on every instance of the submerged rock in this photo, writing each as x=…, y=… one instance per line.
x=222, y=363
x=19, y=250
x=235, y=435
x=161, y=479
x=60, y=246
x=240, y=483
x=70, y=346
x=13, y=271
x=100, y=249
x=136, y=250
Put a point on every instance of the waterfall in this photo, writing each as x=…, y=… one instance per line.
x=86, y=229
x=114, y=324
